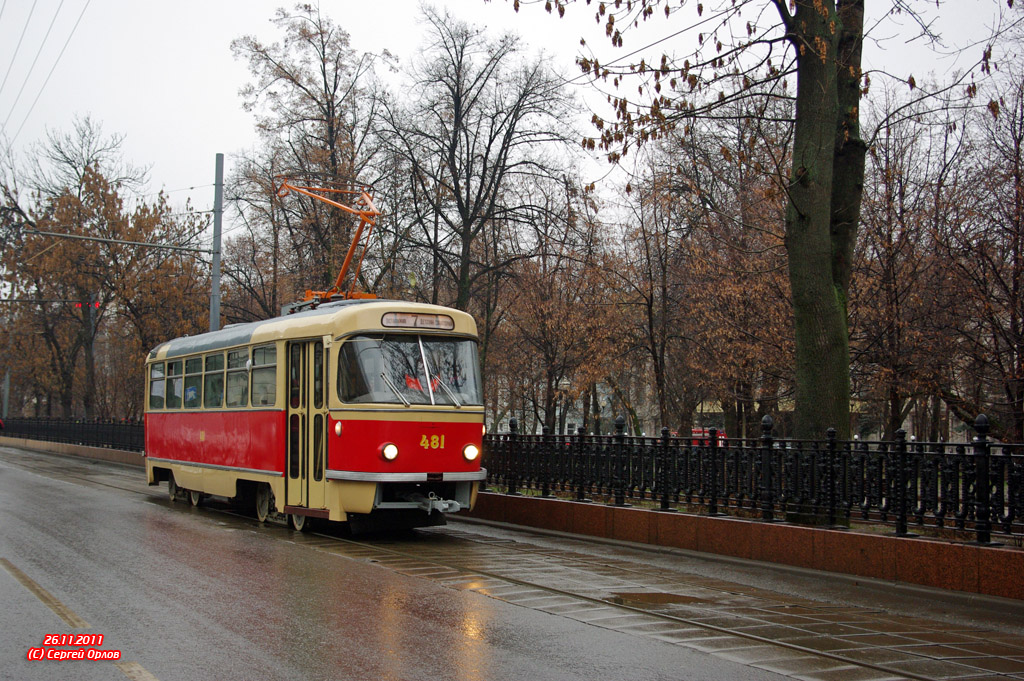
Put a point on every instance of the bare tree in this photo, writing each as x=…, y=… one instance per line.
x=315, y=100
x=82, y=302
x=750, y=51
x=480, y=117
x=986, y=251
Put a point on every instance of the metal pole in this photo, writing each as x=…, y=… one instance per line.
x=982, y=484
x=667, y=459
x=767, y=462
x=513, y=458
x=619, y=462
x=218, y=210
x=713, y=455
x=6, y=390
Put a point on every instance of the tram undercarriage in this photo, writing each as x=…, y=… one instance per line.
x=365, y=506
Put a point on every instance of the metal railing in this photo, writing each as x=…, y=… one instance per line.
x=975, y=487
x=107, y=433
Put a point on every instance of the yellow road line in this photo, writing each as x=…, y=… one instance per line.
x=135, y=671
x=63, y=611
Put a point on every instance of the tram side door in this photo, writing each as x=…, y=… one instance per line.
x=316, y=452
x=307, y=424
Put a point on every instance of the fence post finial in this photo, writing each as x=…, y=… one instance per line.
x=981, y=425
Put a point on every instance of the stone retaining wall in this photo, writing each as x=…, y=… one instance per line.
x=101, y=453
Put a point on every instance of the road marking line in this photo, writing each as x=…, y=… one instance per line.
x=62, y=611
x=135, y=671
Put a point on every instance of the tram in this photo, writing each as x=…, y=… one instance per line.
x=348, y=409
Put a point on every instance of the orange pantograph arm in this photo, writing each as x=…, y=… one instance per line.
x=366, y=212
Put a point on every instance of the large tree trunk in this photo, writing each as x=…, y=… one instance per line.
x=850, y=149
x=819, y=303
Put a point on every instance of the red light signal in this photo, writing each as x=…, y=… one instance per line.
x=81, y=305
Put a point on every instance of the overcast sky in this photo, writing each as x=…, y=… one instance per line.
x=162, y=74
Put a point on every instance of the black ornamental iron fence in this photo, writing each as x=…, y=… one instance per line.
x=128, y=435
x=975, y=487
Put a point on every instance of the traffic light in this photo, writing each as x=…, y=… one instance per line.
x=95, y=304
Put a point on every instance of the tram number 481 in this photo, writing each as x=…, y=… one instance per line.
x=432, y=442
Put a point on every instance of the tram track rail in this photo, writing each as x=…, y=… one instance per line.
x=434, y=554
x=620, y=606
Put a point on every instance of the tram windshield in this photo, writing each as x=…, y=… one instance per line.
x=408, y=369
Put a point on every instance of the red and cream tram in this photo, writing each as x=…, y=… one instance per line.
x=360, y=410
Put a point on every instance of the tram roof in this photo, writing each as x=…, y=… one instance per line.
x=319, y=321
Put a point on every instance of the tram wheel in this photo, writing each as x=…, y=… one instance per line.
x=172, y=489
x=262, y=502
x=194, y=497
x=299, y=523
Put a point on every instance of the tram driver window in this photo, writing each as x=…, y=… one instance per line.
x=386, y=369
x=353, y=375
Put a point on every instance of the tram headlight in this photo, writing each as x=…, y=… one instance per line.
x=389, y=451
x=470, y=452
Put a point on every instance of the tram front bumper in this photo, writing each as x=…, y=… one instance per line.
x=434, y=503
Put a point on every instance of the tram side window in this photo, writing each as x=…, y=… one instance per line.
x=264, y=375
x=156, y=385
x=213, y=387
x=174, y=381
x=193, y=382
x=238, y=378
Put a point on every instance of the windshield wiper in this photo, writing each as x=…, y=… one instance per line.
x=440, y=382
x=394, y=389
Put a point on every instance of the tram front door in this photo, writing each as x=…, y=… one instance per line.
x=307, y=425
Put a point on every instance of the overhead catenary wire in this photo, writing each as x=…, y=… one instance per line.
x=10, y=144
x=35, y=60
x=174, y=191
x=187, y=212
x=17, y=48
x=170, y=247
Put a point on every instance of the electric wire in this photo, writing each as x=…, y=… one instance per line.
x=174, y=191
x=34, y=62
x=52, y=69
x=17, y=48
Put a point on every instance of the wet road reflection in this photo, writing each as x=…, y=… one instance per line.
x=198, y=594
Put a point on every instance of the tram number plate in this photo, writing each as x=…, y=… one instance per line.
x=432, y=442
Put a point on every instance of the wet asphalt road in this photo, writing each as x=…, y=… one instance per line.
x=193, y=594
